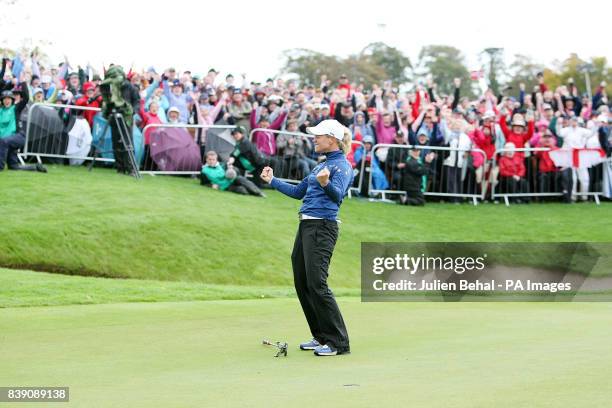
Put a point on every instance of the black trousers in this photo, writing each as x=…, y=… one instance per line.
x=242, y=185
x=312, y=251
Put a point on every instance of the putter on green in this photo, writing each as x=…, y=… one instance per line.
x=282, y=347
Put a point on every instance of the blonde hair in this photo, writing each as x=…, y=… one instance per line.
x=346, y=143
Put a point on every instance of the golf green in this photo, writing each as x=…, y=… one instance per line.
x=209, y=354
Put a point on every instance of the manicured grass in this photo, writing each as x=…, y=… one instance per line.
x=186, y=243
x=28, y=288
x=209, y=354
x=169, y=228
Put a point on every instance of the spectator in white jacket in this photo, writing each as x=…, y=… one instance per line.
x=576, y=137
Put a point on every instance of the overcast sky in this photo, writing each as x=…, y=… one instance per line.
x=250, y=37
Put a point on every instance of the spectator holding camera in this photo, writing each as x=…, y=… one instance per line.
x=225, y=177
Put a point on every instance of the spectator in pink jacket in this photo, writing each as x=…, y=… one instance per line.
x=385, y=129
x=265, y=140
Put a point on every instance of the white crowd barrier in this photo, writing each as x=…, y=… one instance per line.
x=537, y=185
x=454, y=182
x=60, y=132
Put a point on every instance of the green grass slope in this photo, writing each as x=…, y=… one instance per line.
x=167, y=228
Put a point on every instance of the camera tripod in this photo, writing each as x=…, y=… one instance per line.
x=126, y=141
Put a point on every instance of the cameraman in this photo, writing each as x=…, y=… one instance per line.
x=119, y=97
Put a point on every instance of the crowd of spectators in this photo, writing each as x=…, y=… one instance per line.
x=453, y=138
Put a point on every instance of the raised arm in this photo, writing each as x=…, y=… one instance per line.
x=294, y=191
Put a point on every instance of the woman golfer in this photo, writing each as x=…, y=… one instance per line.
x=322, y=192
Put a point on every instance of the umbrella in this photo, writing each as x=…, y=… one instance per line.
x=79, y=141
x=46, y=131
x=173, y=149
x=221, y=141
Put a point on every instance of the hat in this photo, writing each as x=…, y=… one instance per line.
x=237, y=91
x=329, y=127
x=7, y=94
x=546, y=106
x=488, y=115
x=76, y=74
x=239, y=129
x=368, y=139
x=177, y=83
x=45, y=79
x=96, y=77
x=260, y=91
x=518, y=120
x=37, y=90
x=372, y=110
x=324, y=106
x=422, y=132
x=174, y=109
x=295, y=107
x=88, y=86
x=151, y=70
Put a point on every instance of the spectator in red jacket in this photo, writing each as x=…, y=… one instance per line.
x=90, y=99
x=548, y=175
x=520, y=133
x=512, y=173
x=149, y=118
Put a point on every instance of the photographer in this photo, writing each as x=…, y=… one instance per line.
x=247, y=157
x=119, y=97
x=414, y=177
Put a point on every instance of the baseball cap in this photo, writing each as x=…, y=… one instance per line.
x=174, y=109
x=328, y=127
x=239, y=129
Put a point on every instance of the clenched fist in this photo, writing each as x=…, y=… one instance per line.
x=267, y=174
x=323, y=176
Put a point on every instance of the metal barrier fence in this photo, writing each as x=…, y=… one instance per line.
x=175, y=150
x=451, y=177
x=540, y=184
x=293, y=167
x=59, y=132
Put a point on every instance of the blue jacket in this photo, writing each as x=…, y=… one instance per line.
x=322, y=202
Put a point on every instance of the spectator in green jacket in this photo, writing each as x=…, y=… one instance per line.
x=8, y=122
x=224, y=177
